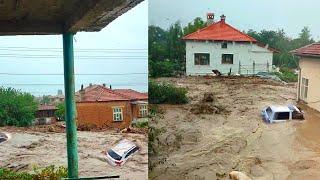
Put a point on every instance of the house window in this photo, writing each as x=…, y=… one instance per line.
x=224, y=45
x=227, y=59
x=117, y=114
x=143, y=110
x=304, y=88
x=201, y=59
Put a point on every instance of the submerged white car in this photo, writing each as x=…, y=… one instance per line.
x=273, y=114
x=119, y=154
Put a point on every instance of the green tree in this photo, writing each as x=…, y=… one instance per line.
x=16, y=108
x=60, y=112
x=197, y=23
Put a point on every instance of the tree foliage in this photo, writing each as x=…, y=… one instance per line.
x=284, y=44
x=16, y=108
x=167, y=48
x=60, y=112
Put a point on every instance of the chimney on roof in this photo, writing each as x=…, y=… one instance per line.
x=223, y=18
x=210, y=18
x=110, y=87
x=81, y=92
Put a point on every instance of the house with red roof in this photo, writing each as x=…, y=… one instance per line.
x=308, y=90
x=100, y=106
x=219, y=46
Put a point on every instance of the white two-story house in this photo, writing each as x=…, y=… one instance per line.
x=221, y=47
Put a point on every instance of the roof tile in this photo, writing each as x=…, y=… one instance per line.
x=220, y=31
x=309, y=50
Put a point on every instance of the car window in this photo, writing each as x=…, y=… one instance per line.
x=269, y=111
x=132, y=151
x=114, y=155
x=283, y=115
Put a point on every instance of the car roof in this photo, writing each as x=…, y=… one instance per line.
x=123, y=146
x=277, y=108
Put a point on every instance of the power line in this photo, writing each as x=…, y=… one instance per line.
x=79, y=74
x=43, y=84
x=80, y=49
x=60, y=56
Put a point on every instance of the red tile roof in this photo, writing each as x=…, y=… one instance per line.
x=43, y=107
x=309, y=50
x=220, y=31
x=132, y=94
x=98, y=93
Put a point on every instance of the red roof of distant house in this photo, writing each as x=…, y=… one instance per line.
x=132, y=94
x=44, y=107
x=309, y=50
x=98, y=93
x=220, y=31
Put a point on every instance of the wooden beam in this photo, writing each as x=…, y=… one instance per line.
x=93, y=15
x=30, y=28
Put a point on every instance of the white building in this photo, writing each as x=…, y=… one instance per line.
x=221, y=47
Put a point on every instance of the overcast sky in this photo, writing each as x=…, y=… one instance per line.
x=290, y=15
x=125, y=40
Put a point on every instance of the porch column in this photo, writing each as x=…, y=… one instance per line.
x=70, y=111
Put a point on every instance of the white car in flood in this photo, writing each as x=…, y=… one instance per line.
x=120, y=153
x=273, y=114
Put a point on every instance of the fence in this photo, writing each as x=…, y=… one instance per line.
x=253, y=68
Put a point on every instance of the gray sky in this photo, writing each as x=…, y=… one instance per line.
x=290, y=15
x=120, y=37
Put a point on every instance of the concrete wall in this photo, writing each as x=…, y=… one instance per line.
x=310, y=69
x=244, y=52
x=100, y=114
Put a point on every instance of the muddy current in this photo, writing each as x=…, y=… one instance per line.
x=208, y=139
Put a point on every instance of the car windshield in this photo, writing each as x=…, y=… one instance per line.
x=114, y=155
x=283, y=116
x=269, y=111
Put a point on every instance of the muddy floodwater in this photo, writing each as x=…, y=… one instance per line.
x=28, y=148
x=209, y=137
x=309, y=131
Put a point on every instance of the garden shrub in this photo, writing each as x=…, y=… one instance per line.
x=165, y=93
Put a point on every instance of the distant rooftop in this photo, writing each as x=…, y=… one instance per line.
x=309, y=50
x=19, y=17
x=132, y=94
x=100, y=93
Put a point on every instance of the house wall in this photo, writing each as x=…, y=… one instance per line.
x=245, y=53
x=136, y=111
x=101, y=114
x=310, y=69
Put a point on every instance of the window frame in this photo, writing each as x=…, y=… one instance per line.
x=116, y=117
x=304, y=88
x=201, y=60
x=143, y=110
x=224, y=45
x=226, y=55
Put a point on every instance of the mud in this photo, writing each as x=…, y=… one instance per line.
x=237, y=139
x=28, y=148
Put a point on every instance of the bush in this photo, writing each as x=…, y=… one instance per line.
x=142, y=124
x=16, y=108
x=50, y=172
x=60, y=112
x=287, y=75
x=161, y=68
x=166, y=93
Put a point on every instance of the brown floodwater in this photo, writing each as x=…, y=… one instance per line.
x=309, y=131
